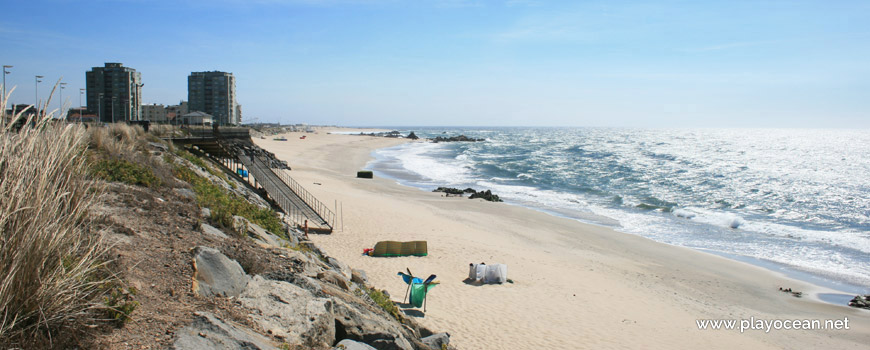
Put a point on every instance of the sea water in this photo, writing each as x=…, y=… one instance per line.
x=793, y=200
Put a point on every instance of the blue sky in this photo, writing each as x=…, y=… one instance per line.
x=464, y=62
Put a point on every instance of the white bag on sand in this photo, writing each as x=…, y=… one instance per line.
x=496, y=273
x=476, y=272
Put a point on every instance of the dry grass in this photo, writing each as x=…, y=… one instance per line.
x=48, y=257
x=120, y=153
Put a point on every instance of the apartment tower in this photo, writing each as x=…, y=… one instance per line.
x=114, y=93
x=214, y=93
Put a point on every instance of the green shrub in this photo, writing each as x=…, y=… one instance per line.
x=202, y=164
x=385, y=303
x=225, y=205
x=120, y=170
x=119, y=303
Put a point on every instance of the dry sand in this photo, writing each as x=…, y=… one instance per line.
x=576, y=285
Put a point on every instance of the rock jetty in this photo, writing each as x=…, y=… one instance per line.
x=861, y=301
x=486, y=195
x=460, y=138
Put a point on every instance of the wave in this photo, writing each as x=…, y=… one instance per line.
x=732, y=192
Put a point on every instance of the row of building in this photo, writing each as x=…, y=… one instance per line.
x=114, y=94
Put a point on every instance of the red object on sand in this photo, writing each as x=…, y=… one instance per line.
x=367, y=251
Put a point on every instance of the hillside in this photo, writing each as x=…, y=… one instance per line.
x=191, y=257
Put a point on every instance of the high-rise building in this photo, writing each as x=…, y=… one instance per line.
x=114, y=93
x=213, y=93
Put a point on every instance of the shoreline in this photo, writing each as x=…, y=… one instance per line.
x=823, y=285
x=560, y=265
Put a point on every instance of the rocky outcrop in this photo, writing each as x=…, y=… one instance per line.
x=486, y=195
x=216, y=275
x=437, y=341
x=412, y=136
x=860, y=301
x=211, y=230
x=460, y=138
x=246, y=228
x=208, y=332
x=290, y=313
x=348, y=344
x=377, y=330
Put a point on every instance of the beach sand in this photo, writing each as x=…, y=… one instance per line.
x=576, y=285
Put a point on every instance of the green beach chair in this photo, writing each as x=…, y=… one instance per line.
x=420, y=290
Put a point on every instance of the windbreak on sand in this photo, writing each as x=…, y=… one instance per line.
x=393, y=248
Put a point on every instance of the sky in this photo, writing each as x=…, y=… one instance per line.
x=794, y=64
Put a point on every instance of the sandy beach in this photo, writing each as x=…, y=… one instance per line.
x=575, y=285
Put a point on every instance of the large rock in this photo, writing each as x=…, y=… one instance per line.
x=215, y=274
x=348, y=344
x=359, y=277
x=341, y=267
x=209, y=332
x=211, y=230
x=259, y=234
x=361, y=324
x=437, y=341
x=289, y=312
x=334, y=278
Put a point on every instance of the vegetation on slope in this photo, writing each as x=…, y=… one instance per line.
x=49, y=259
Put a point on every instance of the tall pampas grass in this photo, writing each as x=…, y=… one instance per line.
x=48, y=257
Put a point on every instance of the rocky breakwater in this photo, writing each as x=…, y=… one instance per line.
x=861, y=301
x=301, y=300
x=460, y=138
x=485, y=195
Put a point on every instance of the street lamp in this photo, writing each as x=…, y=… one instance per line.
x=36, y=88
x=100, y=108
x=4, y=87
x=81, y=93
x=60, y=102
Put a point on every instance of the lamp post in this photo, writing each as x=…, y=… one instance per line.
x=4, y=87
x=36, y=88
x=60, y=102
x=81, y=93
x=100, y=108
x=114, y=98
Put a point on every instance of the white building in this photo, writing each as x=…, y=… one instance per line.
x=155, y=113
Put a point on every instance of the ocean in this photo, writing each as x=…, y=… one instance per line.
x=791, y=200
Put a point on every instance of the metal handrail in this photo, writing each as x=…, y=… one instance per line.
x=321, y=209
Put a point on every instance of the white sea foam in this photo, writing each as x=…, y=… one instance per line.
x=792, y=197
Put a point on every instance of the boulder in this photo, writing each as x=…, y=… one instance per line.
x=211, y=230
x=290, y=313
x=340, y=267
x=215, y=274
x=186, y=193
x=209, y=332
x=359, y=277
x=259, y=234
x=375, y=329
x=437, y=341
x=310, y=284
x=348, y=344
x=335, y=278
x=205, y=212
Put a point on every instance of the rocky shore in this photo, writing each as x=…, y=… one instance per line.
x=192, y=281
